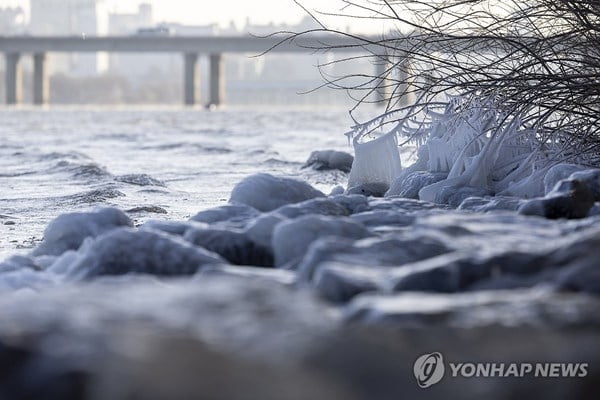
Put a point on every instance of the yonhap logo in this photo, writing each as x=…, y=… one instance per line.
x=429, y=369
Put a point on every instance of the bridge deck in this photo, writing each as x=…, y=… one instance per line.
x=183, y=44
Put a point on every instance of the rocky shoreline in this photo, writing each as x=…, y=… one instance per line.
x=288, y=293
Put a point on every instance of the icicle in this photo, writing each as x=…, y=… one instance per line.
x=375, y=161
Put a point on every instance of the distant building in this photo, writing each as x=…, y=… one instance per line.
x=12, y=21
x=128, y=24
x=71, y=17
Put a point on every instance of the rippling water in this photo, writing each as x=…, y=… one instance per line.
x=167, y=163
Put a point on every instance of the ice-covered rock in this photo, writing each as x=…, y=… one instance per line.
x=495, y=203
x=234, y=246
x=318, y=206
x=455, y=196
x=126, y=251
x=354, y=203
x=581, y=276
x=561, y=260
x=273, y=275
x=529, y=307
x=24, y=272
x=569, y=199
x=266, y=192
x=595, y=210
x=340, y=282
x=450, y=193
x=591, y=179
x=390, y=250
x=339, y=189
x=231, y=215
x=292, y=238
x=329, y=159
x=17, y=262
x=457, y=272
x=178, y=228
x=402, y=205
x=557, y=173
x=26, y=279
x=374, y=189
x=383, y=218
x=569, y=263
x=68, y=231
x=261, y=229
x=529, y=187
x=410, y=185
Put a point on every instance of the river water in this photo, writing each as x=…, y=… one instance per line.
x=177, y=161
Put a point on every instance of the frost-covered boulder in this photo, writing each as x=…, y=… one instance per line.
x=127, y=251
x=492, y=309
x=16, y=263
x=292, y=238
x=232, y=215
x=329, y=159
x=266, y=192
x=591, y=179
x=354, y=203
x=261, y=229
x=373, y=189
x=557, y=173
x=528, y=187
x=383, y=218
x=579, y=255
x=26, y=279
x=581, y=276
x=595, y=210
x=461, y=271
x=339, y=189
x=234, y=246
x=340, y=282
x=318, y=206
x=453, y=195
x=178, y=228
x=68, y=231
x=495, y=203
x=269, y=275
x=454, y=199
x=410, y=185
x=402, y=205
x=570, y=199
x=390, y=250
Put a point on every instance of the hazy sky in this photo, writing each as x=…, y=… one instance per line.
x=223, y=11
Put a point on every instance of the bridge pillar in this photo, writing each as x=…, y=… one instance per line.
x=384, y=85
x=217, y=80
x=189, y=74
x=40, y=79
x=13, y=78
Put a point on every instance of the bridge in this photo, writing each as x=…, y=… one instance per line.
x=191, y=47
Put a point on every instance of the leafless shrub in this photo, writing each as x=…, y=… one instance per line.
x=535, y=59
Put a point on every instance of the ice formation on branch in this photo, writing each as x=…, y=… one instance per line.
x=376, y=161
x=482, y=149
